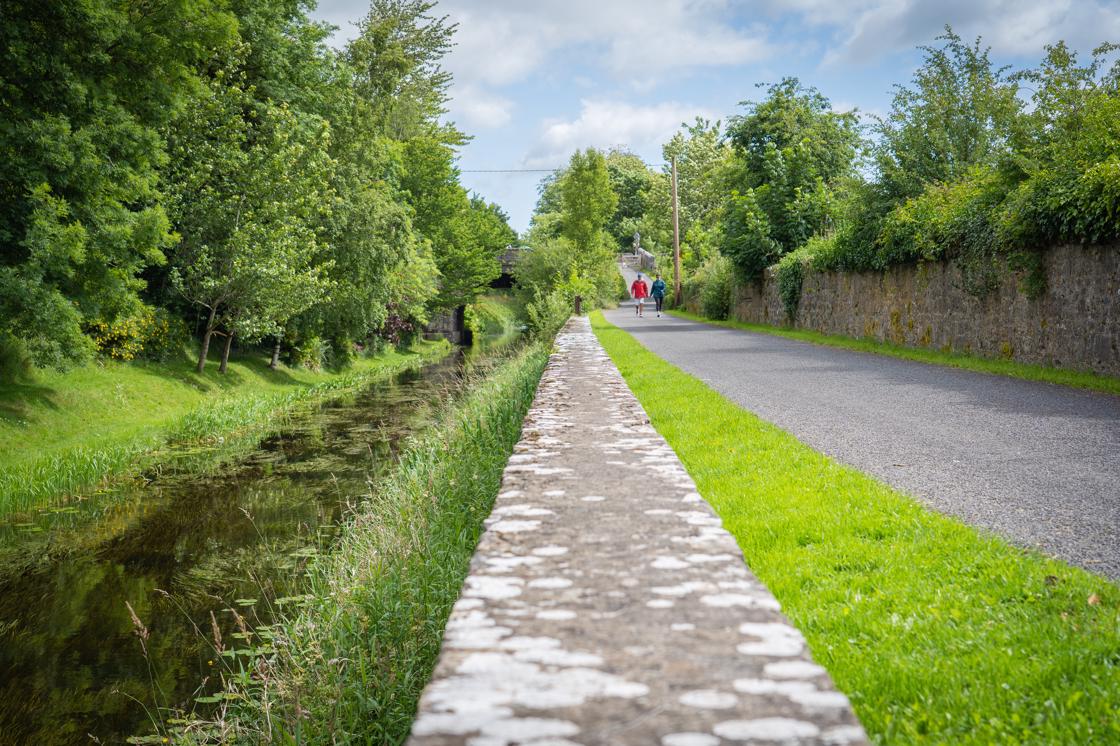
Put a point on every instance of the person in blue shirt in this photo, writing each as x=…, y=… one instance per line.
x=657, y=292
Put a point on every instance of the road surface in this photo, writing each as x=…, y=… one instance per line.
x=1037, y=463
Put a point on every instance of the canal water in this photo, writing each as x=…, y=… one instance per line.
x=107, y=607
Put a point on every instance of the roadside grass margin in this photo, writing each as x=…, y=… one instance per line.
x=994, y=366
x=938, y=632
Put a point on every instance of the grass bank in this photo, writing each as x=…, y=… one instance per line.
x=350, y=665
x=1074, y=378
x=939, y=633
x=68, y=433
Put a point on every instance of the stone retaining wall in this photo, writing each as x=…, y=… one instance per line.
x=1075, y=324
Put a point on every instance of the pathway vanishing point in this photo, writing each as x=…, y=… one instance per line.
x=607, y=605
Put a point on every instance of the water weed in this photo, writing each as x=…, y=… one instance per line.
x=77, y=432
x=352, y=656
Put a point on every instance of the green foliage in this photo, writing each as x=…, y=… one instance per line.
x=794, y=118
x=958, y=114
x=467, y=235
x=569, y=248
x=710, y=287
x=247, y=195
x=15, y=360
x=966, y=175
x=870, y=574
x=745, y=237
x=631, y=180
x=492, y=316
x=791, y=151
x=588, y=203
x=789, y=273
x=379, y=600
x=703, y=167
x=547, y=312
x=87, y=86
x=396, y=62
x=553, y=265
x=296, y=190
x=1067, y=149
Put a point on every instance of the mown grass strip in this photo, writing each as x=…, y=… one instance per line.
x=939, y=633
x=350, y=666
x=1061, y=376
x=83, y=428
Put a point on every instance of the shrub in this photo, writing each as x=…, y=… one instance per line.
x=790, y=273
x=546, y=313
x=710, y=287
x=309, y=352
x=165, y=337
x=120, y=339
x=15, y=360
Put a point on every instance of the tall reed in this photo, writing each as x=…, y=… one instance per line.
x=349, y=665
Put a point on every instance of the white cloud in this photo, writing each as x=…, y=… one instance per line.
x=477, y=107
x=635, y=43
x=503, y=41
x=865, y=30
x=605, y=124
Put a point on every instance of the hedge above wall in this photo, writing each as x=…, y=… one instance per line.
x=1074, y=322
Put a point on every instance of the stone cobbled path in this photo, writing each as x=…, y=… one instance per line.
x=607, y=605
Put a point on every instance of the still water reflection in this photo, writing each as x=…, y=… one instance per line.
x=73, y=667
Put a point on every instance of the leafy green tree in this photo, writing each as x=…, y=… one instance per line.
x=702, y=171
x=571, y=251
x=1066, y=153
x=746, y=238
x=631, y=180
x=957, y=113
x=703, y=163
x=247, y=195
x=86, y=87
x=793, y=117
x=396, y=60
x=466, y=236
x=588, y=202
x=791, y=150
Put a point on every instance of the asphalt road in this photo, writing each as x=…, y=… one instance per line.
x=1037, y=463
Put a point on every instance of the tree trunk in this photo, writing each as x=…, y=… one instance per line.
x=225, y=352
x=205, y=348
x=276, y=352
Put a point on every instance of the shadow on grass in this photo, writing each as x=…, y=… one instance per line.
x=16, y=399
x=184, y=371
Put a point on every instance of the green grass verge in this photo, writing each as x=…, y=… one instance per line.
x=67, y=433
x=1074, y=378
x=349, y=667
x=938, y=632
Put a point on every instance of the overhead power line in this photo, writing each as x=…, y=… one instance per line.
x=508, y=170
x=529, y=170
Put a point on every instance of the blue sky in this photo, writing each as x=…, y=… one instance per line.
x=536, y=79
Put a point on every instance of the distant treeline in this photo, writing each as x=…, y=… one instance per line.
x=212, y=168
x=974, y=162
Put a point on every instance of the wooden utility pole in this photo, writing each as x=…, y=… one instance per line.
x=676, y=239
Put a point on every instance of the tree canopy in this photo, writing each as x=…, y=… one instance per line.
x=214, y=159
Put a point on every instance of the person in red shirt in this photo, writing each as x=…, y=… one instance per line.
x=640, y=291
